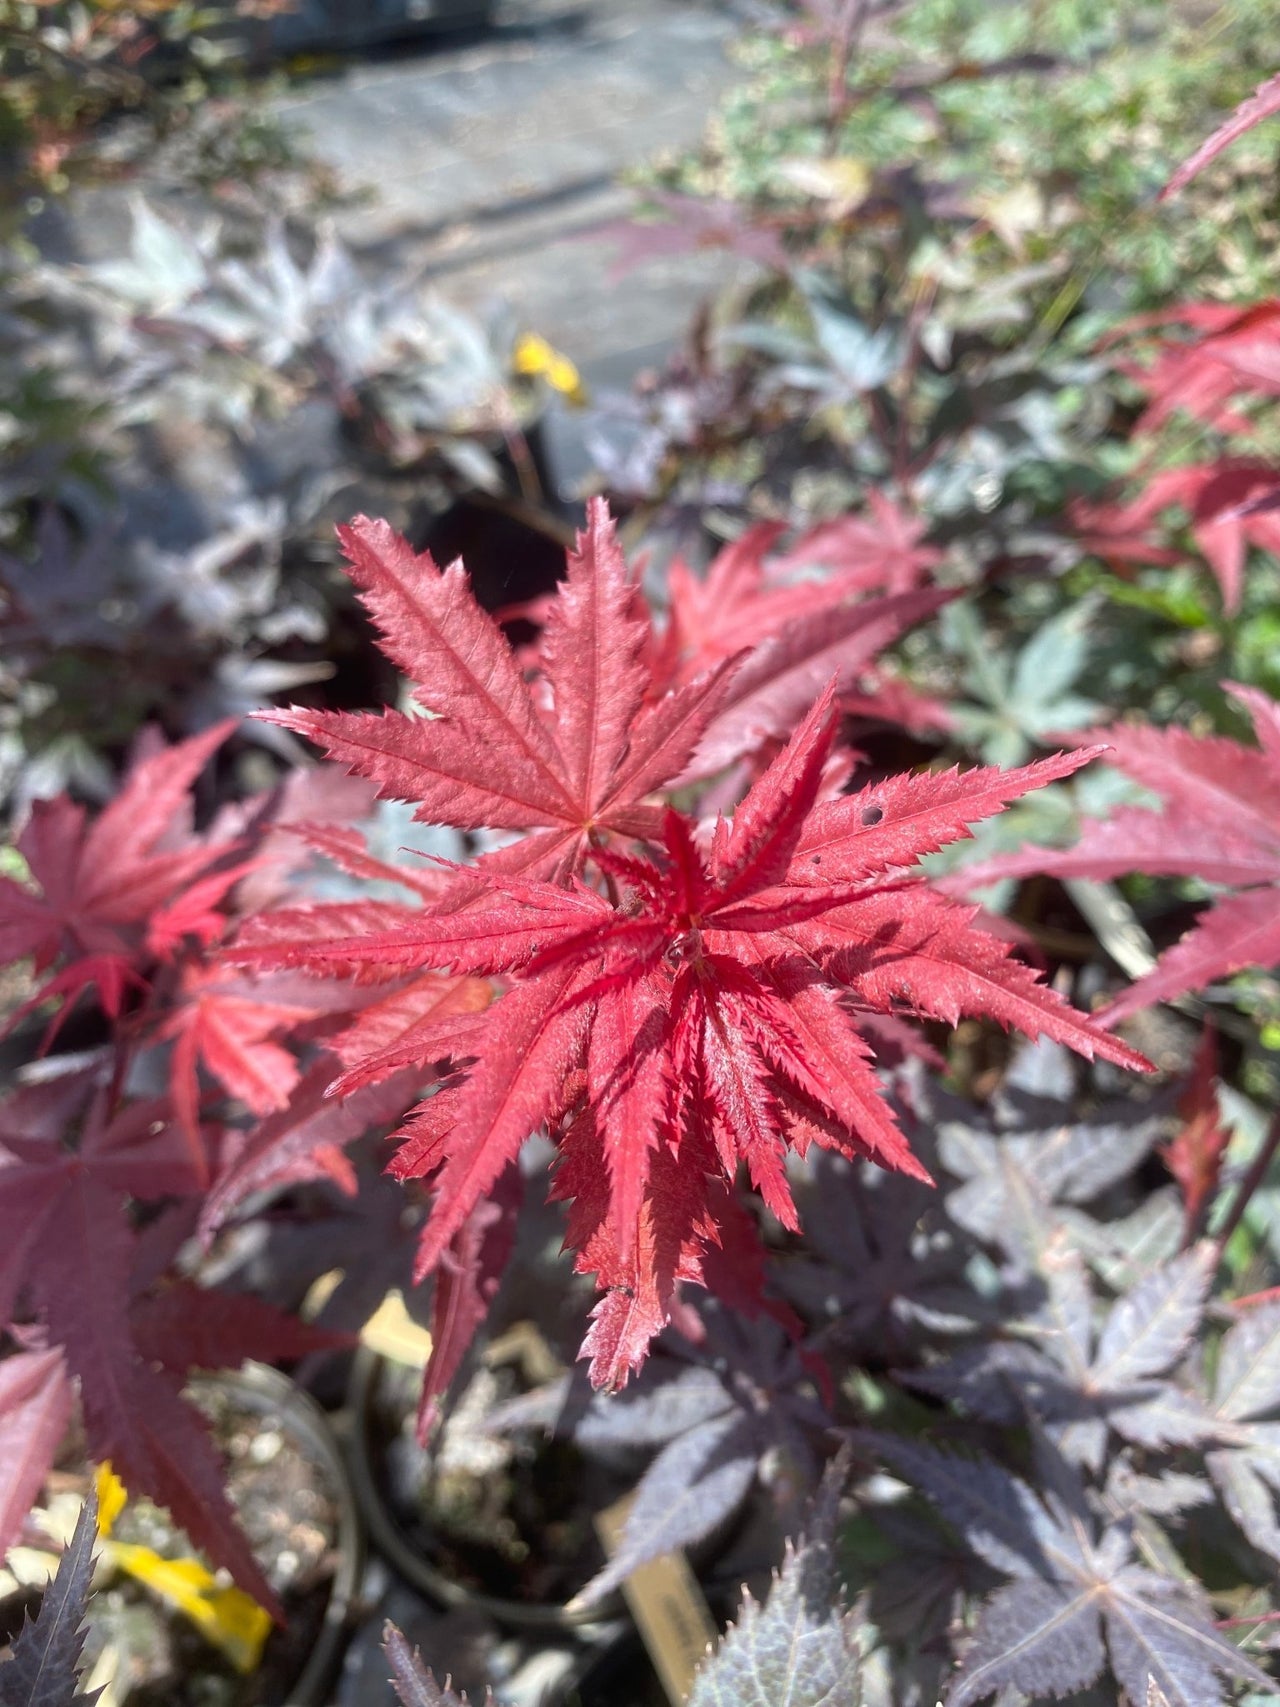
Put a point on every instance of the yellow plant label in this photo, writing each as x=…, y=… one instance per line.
x=668, y=1606
x=392, y=1332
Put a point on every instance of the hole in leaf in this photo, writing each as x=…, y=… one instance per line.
x=872, y=815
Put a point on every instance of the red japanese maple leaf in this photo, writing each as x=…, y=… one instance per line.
x=700, y=1015
x=1220, y=822
x=102, y=887
x=791, y=634
x=306, y=1140
x=612, y=714
x=881, y=549
x=571, y=758
x=1123, y=531
x=1234, y=352
x=1226, y=504
x=135, y=897
x=229, y=1026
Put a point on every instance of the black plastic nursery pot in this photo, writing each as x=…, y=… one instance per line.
x=287, y=1476
x=382, y=1403
x=281, y=1403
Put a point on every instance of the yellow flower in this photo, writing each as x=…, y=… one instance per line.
x=227, y=1617
x=536, y=358
x=111, y=1498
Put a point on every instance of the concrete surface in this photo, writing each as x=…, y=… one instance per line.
x=493, y=158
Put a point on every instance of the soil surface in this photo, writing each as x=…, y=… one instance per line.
x=510, y=1516
x=288, y=1508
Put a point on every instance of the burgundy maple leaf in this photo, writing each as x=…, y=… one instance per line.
x=35, y=1408
x=69, y=1251
x=700, y=1015
x=1197, y=1150
x=1220, y=822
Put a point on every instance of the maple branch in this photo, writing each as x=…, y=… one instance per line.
x=844, y=43
x=1241, y=1623
x=530, y=514
x=920, y=307
x=526, y=469
x=884, y=429
x=122, y=1055
x=1249, y=1184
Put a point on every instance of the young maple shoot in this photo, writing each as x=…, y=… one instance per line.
x=679, y=1000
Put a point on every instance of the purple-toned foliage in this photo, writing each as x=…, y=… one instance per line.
x=43, y=1669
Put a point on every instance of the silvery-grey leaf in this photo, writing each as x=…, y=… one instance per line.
x=1165, y=1416
x=42, y=1671
x=1121, y=1251
x=1149, y=1327
x=412, y=1681
x=1248, y=1498
x=1043, y=1070
x=1066, y=1319
x=1248, y=1382
x=1036, y=1636
x=692, y=1487
x=1164, y=1630
x=801, y=1648
x=1078, y=1161
x=657, y=1413
x=996, y=1513
x=998, y=1381
x=1164, y=1496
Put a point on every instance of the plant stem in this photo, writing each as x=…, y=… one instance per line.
x=844, y=42
x=1251, y=1300
x=1249, y=1185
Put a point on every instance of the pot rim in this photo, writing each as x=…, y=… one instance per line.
x=264, y=1389
x=595, y=1623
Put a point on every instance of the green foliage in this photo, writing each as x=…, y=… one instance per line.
x=1014, y=701
x=1059, y=123
x=69, y=66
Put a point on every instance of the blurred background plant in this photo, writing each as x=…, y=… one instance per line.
x=950, y=219
x=950, y=204
x=183, y=422
x=981, y=425
x=90, y=89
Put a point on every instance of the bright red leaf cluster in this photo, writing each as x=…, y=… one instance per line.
x=679, y=998
x=1209, y=361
